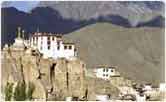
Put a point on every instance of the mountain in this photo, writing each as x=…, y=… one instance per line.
x=138, y=53
x=65, y=17
x=12, y=18
x=158, y=21
x=46, y=19
x=134, y=11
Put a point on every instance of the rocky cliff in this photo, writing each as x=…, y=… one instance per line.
x=52, y=79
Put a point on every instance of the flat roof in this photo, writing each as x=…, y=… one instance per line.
x=46, y=34
x=68, y=43
x=105, y=66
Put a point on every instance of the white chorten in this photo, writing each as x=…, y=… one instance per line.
x=19, y=42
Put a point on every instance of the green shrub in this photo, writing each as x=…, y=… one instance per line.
x=20, y=92
x=30, y=91
x=8, y=91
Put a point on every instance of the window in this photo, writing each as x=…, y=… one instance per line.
x=48, y=42
x=37, y=41
x=41, y=47
x=53, y=38
x=48, y=38
x=106, y=75
x=103, y=74
x=65, y=47
x=33, y=40
x=104, y=70
x=112, y=70
x=48, y=47
x=70, y=47
x=58, y=43
x=58, y=47
x=107, y=70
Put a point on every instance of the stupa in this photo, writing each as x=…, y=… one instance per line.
x=19, y=42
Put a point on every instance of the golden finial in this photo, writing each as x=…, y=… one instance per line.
x=37, y=29
x=23, y=34
x=19, y=33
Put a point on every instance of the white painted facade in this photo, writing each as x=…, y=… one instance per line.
x=105, y=72
x=147, y=87
x=52, y=46
x=162, y=87
x=103, y=98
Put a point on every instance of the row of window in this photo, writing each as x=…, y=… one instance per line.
x=106, y=70
x=105, y=75
x=68, y=47
x=58, y=47
x=49, y=44
x=48, y=38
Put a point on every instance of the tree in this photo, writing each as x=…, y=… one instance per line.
x=20, y=92
x=30, y=91
x=8, y=91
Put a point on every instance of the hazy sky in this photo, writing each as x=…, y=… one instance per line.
x=20, y=5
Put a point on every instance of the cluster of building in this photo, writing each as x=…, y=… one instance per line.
x=53, y=46
x=48, y=44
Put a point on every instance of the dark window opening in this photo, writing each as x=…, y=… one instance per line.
x=58, y=47
x=48, y=42
x=58, y=43
x=41, y=48
x=70, y=47
x=65, y=47
x=48, y=38
x=48, y=47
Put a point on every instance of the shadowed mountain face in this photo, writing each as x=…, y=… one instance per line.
x=66, y=17
x=47, y=20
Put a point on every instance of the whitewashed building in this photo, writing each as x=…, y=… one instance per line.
x=52, y=46
x=105, y=72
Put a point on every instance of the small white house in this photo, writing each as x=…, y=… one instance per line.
x=147, y=87
x=105, y=72
x=52, y=45
x=162, y=87
x=103, y=98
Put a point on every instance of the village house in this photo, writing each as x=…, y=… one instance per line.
x=105, y=72
x=52, y=45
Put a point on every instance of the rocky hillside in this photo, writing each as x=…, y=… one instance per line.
x=138, y=52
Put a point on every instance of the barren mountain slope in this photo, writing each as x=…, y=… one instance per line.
x=137, y=52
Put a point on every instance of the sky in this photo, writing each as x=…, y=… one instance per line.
x=21, y=5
